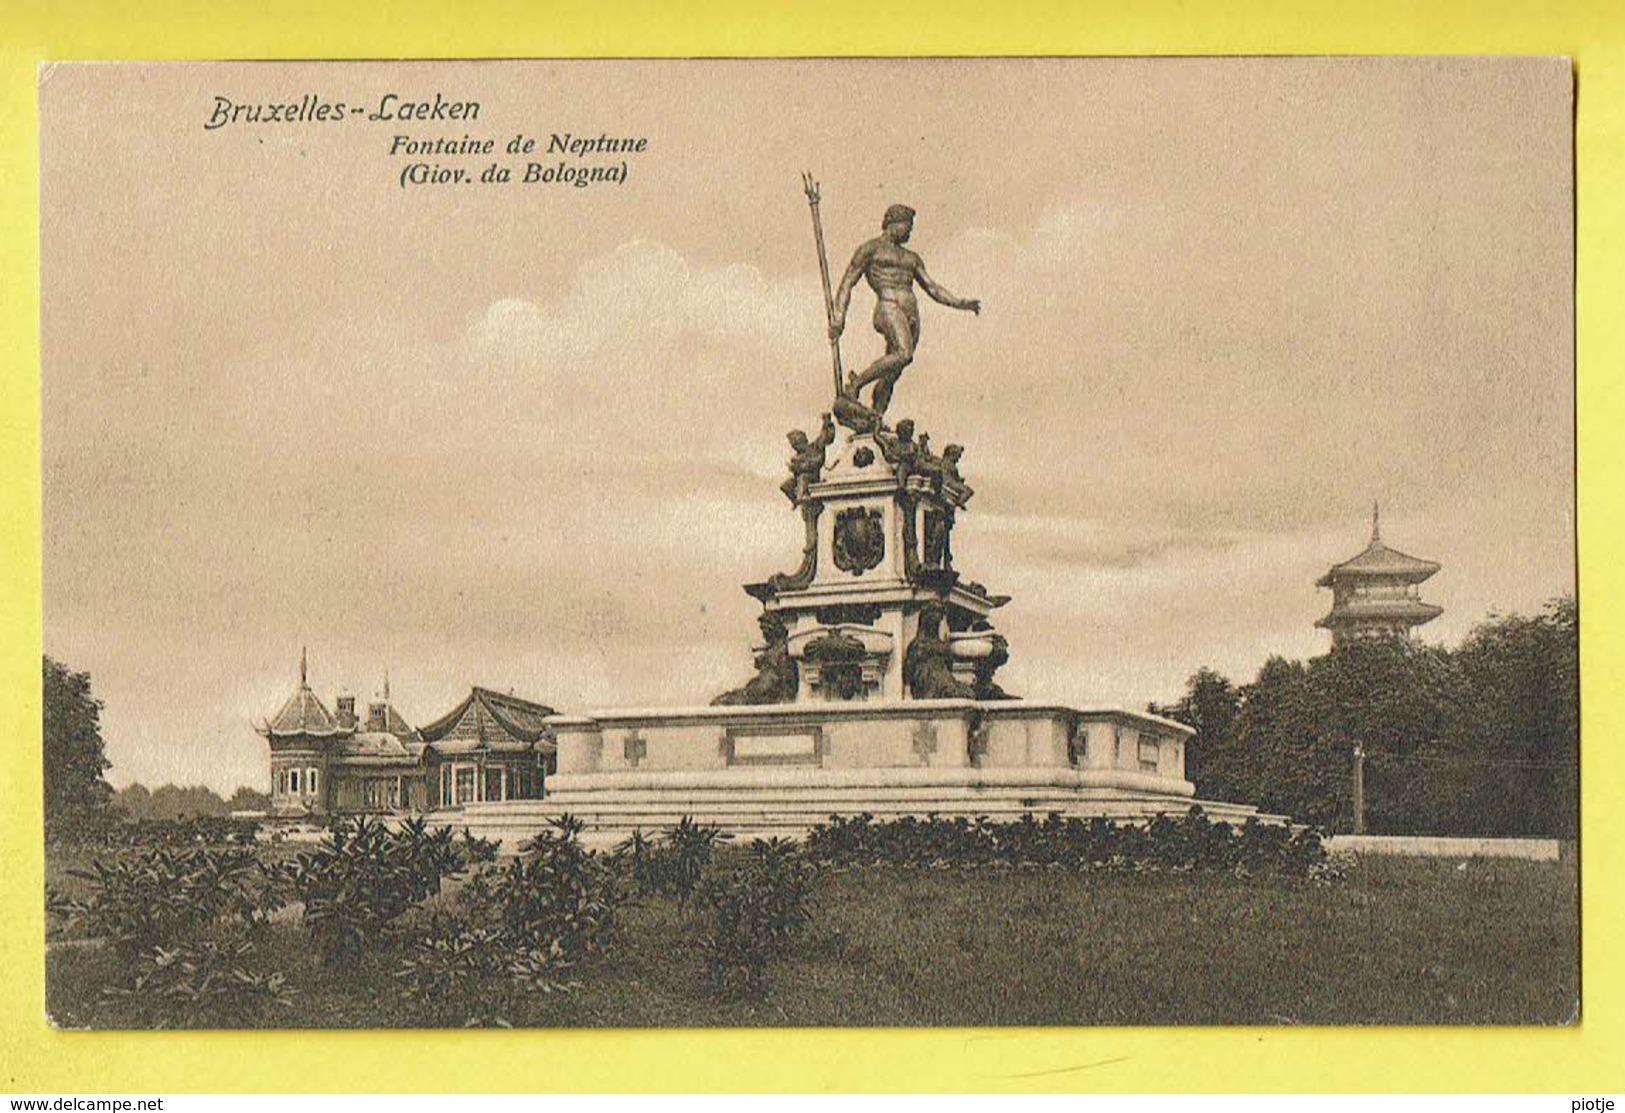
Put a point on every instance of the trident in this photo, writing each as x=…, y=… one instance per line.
x=823, y=269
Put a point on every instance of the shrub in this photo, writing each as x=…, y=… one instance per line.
x=476, y=849
x=364, y=876
x=447, y=957
x=673, y=864
x=753, y=911
x=160, y=896
x=557, y=902
x=210, y=982
x=1191, y=842
x=529, y=924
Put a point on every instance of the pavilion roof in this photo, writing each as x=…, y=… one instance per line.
x=303, y=714
x=377, y=744
x=520, y=718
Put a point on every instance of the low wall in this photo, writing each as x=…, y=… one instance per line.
x=780, y=770
x=1431, y=846
x=949, y=737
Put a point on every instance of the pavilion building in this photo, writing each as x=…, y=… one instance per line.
x=1377, y=593
x=490, y=747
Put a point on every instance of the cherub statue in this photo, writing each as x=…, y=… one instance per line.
x=807, y=465
x=899, y=448
x=926, y=462
x=938, y=468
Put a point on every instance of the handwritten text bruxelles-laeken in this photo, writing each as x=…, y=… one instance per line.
x=567, y=158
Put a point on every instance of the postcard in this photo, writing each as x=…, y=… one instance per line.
x=810, y=542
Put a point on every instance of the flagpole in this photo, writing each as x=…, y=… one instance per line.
x=823, y=269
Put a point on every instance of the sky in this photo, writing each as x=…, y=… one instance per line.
x=529, y=436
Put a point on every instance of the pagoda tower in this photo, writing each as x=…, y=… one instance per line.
x=1377, y=594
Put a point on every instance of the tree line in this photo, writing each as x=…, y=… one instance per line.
x=76, y=790
x=1476, y=739
x=178, y=802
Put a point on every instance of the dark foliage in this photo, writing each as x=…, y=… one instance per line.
x=522, y=927
x=211, y=983
x=1192, y=842
x=364, y=876
x=476, y=849
x=160, y=896
x=557, y=900
x=672, y=864
x=75, y=756
x=752, y=912
x=1481, y=739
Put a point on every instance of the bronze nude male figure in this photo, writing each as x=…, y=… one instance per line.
x=891, y=270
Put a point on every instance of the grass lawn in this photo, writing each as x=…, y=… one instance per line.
x=1400, y=941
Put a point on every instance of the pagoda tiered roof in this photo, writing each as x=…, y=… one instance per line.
x=1414, y=612
x=1378, y=560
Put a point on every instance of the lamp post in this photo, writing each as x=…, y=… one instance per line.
x=1359, y=788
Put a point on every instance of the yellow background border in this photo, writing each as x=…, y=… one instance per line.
x=1589, y=1056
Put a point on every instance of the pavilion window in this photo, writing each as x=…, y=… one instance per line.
x=311, y=782
x=465, y=784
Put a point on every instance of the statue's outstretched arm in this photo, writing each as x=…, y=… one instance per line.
x=941, y=295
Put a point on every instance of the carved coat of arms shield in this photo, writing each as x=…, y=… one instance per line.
x=860, y=540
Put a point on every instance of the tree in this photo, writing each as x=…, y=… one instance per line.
x=1478, y=740
x=1209, y=706
x=246, y=799
x=75, y=756
x=188, y=802
x=134, y=801
x=1521, y=718
x=1289, y=762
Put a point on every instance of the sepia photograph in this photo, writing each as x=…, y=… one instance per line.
x=813, y=543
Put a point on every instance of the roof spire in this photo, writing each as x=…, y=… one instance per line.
x=386, y=685
x=302, y=682
x=1376, y=524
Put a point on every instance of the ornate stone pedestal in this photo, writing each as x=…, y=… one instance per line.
x=877, y=587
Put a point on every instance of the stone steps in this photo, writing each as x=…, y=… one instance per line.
x=791, y=813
